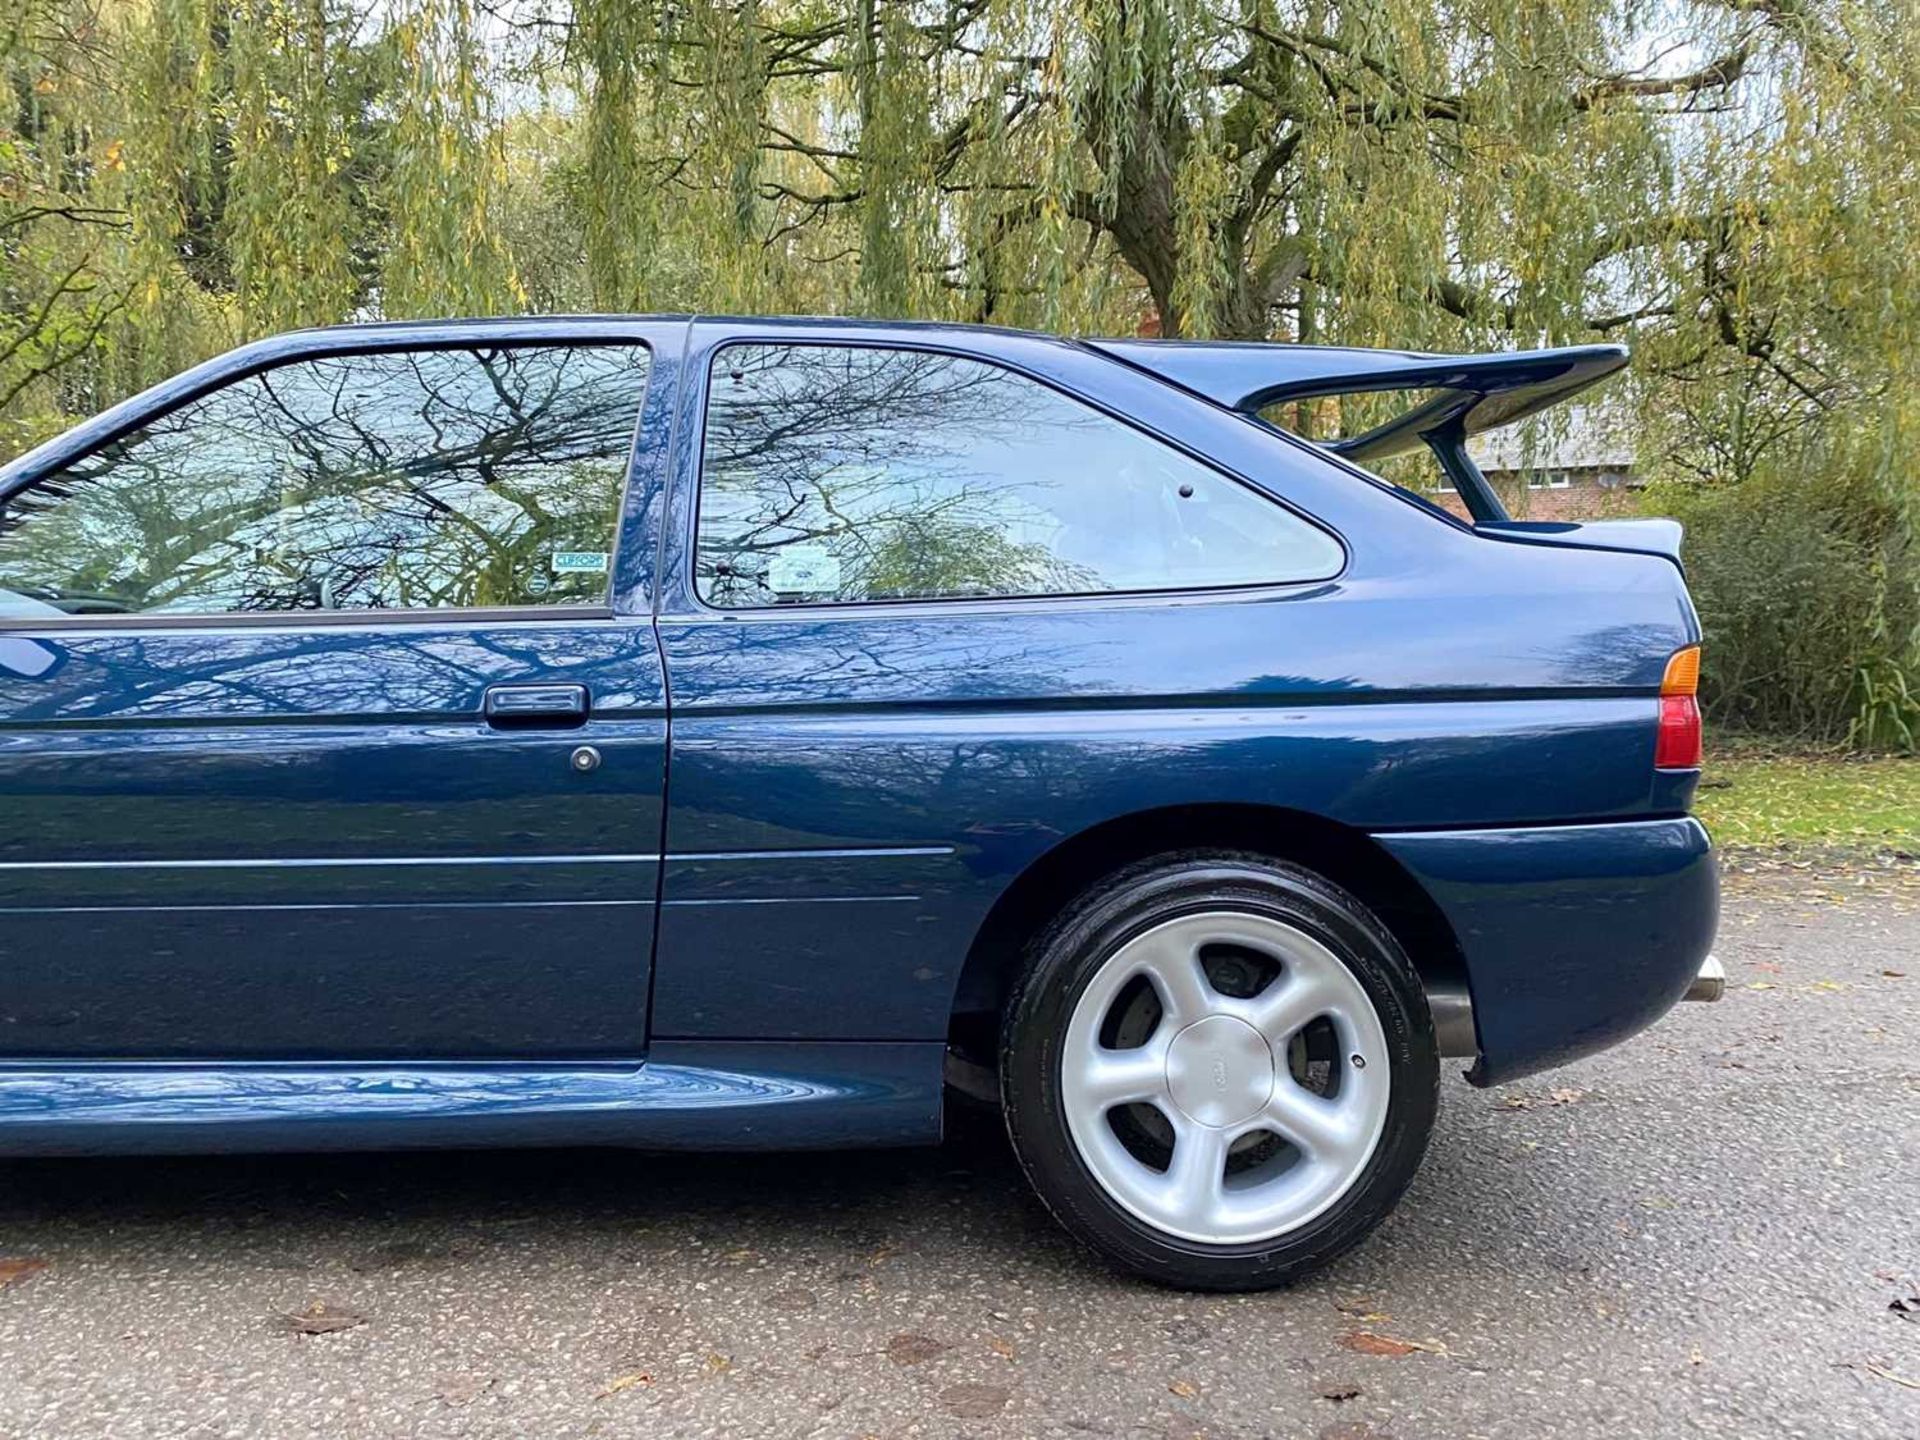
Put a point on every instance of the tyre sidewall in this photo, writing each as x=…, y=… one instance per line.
x=1066, y=956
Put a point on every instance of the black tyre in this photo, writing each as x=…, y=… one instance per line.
x=1218, y=1070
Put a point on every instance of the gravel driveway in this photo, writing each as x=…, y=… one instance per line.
x=1701, y=1233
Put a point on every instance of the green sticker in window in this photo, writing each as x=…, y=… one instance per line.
x=579, y=562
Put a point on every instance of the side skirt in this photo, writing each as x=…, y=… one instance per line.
x=703, y=1095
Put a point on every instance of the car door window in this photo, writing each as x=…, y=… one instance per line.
x=843, y=474
x=425, y=479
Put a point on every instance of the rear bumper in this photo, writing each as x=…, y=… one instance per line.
x=1574, y=936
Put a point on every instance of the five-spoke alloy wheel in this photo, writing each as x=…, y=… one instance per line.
x=1218, y=1070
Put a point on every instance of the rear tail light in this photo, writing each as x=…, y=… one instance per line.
x=1677, y=746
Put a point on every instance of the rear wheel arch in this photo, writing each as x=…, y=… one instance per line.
x=1339, y=853
x=1230, y=1122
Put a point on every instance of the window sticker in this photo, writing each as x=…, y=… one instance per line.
x=803, y=570
x=579, y=562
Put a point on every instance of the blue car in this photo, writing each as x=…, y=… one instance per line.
x=729, y=733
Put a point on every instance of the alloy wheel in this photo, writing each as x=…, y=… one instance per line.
x=1225, y=1077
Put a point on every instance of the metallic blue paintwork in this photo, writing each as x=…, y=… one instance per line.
x=694, y=1097
x=167, y=789
x=156, y=787
x=1579, y=936
x=1646, y=537
x=992, y=789
x=988, y=732
x=851, y=788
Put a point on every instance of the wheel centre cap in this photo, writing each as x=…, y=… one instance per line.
x=1220, y=1071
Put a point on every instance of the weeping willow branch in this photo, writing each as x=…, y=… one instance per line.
x=1721, y=73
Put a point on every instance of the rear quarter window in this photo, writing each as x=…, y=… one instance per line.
x=841, y=474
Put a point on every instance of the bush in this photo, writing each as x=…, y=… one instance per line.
x=1808, y=586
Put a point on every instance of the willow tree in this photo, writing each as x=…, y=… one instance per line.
x=1730, y=185
x=444, y=254
x=63, y=283
x=1389, y=170
x=194, y=172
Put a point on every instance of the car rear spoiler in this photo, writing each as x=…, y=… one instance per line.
x=1462, y=394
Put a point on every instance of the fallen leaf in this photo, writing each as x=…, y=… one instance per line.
x=625, y=1382
x=1369, y=1343
x=1828, y=985
x=792, y=1299
x=19, y=1267
x=913, y=1349
x=975, y=1402
x=1894, y=974
x=1563, y=1095
x=1185, y=1389
x=1339, y=1394
x=1002, y=1348
x=321, y=1318
x=1696, y=1356
x=1762, y=985
x=1365, y=1342
x=1907, y=1307
x=716, y=1363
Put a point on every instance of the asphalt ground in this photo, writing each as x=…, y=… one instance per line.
x=1699, y=1233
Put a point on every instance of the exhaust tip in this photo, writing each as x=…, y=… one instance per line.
x=1710, y=983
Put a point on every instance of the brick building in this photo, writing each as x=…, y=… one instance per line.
x=1575, y=464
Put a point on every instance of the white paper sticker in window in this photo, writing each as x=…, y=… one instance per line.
x=804, y=570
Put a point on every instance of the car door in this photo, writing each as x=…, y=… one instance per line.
x=330, y=728
x=923, y=615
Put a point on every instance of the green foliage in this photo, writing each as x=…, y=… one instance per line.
x=1762, y=797
x=444, y=254
x=1729, y=185
x=1807, y=581
x=290, y=216
x=610, y=39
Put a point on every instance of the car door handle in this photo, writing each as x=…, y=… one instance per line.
x=532, y=705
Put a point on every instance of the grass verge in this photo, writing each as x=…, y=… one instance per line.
x=1752, y=795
